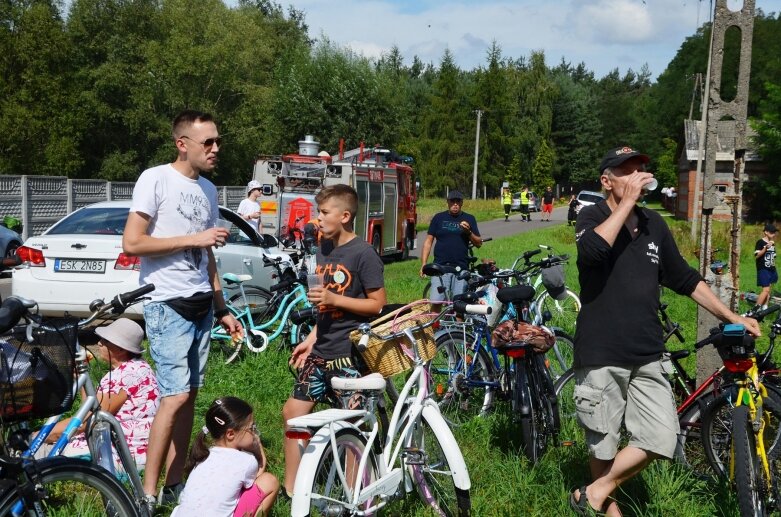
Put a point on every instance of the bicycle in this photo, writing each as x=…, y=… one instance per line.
x=564, y=305
x=751, y=411
x=467, y=373
x=354, y=466
x=66, y=481
x=434, y=269
x=284, y=297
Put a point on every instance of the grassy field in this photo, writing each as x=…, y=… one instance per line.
x=503, y=482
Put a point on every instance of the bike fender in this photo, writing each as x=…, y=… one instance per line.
x=449, y=446
x=305, y=476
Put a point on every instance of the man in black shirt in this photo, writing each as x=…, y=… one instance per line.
x=454, y=230
x=624, y=253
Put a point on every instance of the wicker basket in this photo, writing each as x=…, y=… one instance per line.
x=36, y=379
x=392, y=357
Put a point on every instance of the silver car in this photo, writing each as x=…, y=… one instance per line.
x=80, y=259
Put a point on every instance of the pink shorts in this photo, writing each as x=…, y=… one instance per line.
x=249, y=501
x=547, y=208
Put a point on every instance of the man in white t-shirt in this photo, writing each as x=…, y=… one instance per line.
x=171, y=226
x=249, y=208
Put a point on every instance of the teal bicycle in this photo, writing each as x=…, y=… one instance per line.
x=262, y=322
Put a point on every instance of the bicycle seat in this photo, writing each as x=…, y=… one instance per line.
x=515, y=294
x=439, y=269
x=372, y=382
x=231, y=278
x=468, y=297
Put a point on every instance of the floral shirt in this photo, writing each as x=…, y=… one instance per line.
x=137, y=379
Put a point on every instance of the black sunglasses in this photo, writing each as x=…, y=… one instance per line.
x=208, y=143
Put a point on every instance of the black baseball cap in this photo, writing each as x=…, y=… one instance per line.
x=770, y=228
x=619, y=155
x=454, y=194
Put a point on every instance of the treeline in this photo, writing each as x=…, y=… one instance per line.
x=90, y=93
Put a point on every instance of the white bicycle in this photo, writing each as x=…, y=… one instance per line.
x=355, y=463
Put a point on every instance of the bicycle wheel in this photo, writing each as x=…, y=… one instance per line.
x=689, y=450
x=564, y=313
x=337, y=475
x=230, y=348
x=717, y=427
x=569, y=430
x=750, y=480
x=562, y=354
x=525, y=414
x=76, y=487
x=431, y=474
x=462, y=378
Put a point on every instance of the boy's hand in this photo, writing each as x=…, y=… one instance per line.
x=300, y=353
x=232, y=327
x=320, y=297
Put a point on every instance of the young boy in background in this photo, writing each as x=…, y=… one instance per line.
x=765, y=256
x=353, y=292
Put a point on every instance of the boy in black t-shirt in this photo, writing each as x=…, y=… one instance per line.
x=765, y=256
x=353, y=292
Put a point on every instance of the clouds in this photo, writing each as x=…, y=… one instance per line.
x=604, y=34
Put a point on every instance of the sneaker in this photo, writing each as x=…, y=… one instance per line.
x=169, y=495
x=150, y=501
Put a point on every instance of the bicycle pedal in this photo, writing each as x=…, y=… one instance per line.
x=414, y=456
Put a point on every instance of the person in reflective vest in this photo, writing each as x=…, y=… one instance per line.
x=525, y=204
x=507, y=200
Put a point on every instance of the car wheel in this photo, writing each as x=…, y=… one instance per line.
x=10, y=250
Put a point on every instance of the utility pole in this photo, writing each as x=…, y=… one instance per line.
x=477, y=151
x=725, y=286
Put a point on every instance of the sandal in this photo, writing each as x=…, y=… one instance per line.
x=581, y=506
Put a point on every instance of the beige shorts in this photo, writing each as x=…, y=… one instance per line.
x=638, y=397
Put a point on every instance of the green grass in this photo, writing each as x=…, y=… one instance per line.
x=503, y=482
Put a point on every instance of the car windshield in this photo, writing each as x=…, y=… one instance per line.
x=93, y=221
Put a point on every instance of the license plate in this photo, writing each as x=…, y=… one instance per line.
x=79, y=266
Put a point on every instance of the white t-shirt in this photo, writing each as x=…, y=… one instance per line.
x=215, y=485
x=246, y=207
x=177, y=206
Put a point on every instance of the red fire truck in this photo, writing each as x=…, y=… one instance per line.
x=387, y=197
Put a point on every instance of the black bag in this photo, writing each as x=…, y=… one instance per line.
x=192, y=308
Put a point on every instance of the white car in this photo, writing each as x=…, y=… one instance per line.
x=588, y=197
x=80, y=259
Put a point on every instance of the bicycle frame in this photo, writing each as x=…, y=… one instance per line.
x=751, y=393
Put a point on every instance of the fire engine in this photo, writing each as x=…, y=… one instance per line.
x=385, y=184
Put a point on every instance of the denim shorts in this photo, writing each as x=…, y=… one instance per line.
x=179, y=348
x=640, y=397
x=451, y=284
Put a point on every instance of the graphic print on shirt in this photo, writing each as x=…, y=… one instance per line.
x=770, y=257
x=653, y=252
x=452, y=226
x=195, y=209
x=336, y=278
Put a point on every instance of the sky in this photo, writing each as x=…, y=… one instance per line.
x=604, y=34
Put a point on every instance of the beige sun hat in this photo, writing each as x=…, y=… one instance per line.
x=125, y=333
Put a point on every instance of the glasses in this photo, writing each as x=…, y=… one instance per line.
x=208, y=143
x=252, y=429
x=456, y=201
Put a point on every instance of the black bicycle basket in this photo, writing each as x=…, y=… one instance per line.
x=553, y=280
x=36, y=378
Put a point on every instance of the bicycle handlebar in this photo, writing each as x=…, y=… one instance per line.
x=459, y=307
x=300, y=316
x=760, y=315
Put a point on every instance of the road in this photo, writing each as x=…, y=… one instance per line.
x=501, y=228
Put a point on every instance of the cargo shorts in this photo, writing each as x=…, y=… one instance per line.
x=639, y=397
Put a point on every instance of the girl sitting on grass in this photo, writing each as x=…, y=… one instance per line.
x=229, y=477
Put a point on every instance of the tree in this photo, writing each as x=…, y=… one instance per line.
x=542, y=170
x=766, y=190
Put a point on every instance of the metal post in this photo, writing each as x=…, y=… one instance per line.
x=477, y=151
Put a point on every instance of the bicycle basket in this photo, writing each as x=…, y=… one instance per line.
x=553, y=280
x=36, y=379
x=392, y=357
